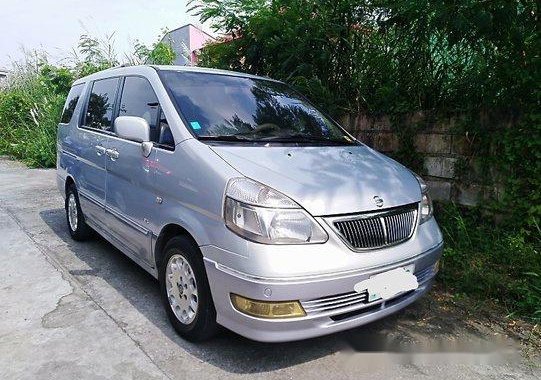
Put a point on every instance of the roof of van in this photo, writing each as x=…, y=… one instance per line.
x=141, y=69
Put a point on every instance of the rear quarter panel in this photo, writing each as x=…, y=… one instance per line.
x=66, y=145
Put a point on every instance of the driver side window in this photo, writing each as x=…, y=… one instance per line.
x=165, y=138
x=138, y=99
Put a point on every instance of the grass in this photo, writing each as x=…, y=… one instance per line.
x=487, y=261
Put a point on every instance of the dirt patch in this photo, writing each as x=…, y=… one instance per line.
x=450, y=317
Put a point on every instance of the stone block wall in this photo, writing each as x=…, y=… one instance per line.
x=439, y=144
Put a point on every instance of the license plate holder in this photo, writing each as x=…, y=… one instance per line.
x=389, y=284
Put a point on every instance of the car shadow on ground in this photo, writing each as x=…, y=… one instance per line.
x=228, y=350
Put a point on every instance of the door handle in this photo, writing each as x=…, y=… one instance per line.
x=112, y=153
x=100, y=150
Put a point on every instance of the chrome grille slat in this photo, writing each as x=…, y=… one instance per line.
x=378, y=230
x=332, y=298
x=352, y=297
x=371, y=232
x=334, y=304
x=357, y=228
x=392, y=227
x=360, y=299
x=363, y=233
x=353, y=233
x=396, y=226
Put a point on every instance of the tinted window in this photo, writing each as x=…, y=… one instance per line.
x=99, y=112
x=225, y=106
x=138, y=99
x=71, y=103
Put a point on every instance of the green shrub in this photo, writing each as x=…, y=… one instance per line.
x=489, y=261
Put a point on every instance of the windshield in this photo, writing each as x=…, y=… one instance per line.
x=228, y=108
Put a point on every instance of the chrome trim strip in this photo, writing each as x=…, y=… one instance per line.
x=122, y=247
x=114, y=212
x=320, y=277
x=126, y=220
x=69, y=154
x=90, y=198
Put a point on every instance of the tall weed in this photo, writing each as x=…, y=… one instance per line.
x=30, y=107
x=32, y=99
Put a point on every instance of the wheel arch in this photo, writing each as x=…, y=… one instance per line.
x=167, y=232
x=68, y=182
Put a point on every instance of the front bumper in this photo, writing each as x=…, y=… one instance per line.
x=329, y=300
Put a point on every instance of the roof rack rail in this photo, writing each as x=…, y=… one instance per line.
x=120, y=66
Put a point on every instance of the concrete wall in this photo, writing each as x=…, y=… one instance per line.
x=179, y=39
x=440, y=146
x=186, y=41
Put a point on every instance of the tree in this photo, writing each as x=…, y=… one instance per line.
x=382, y=55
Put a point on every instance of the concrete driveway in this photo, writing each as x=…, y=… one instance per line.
x=73, y=310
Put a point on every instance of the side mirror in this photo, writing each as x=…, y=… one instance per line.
x=136, y=129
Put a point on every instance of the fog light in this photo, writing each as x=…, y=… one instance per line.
x=267, y=309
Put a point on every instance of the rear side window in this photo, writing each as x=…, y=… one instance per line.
x=138, y=99
x=71, y=103
x=99, y=112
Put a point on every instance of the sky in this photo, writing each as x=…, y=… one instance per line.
x=55, y=26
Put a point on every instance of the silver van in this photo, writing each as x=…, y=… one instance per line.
x=253, y=209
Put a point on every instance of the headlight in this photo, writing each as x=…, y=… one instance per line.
x=426, y=201
x=259, y=213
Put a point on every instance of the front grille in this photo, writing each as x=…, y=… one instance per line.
x=340, y=303
x=379, y=230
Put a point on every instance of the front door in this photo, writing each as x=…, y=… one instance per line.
x=130, y=197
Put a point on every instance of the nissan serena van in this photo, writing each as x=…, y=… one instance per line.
x=253, y=209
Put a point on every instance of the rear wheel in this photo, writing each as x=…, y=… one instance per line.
x=77, y=226
x=185, y=290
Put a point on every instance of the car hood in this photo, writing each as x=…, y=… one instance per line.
x=326, y=180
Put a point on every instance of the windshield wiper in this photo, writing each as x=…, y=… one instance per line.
x=304, y=138
x=225, y=138
x=296, y=138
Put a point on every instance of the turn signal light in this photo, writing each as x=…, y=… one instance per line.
x=267, y=309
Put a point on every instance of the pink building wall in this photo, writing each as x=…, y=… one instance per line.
x=198, y=39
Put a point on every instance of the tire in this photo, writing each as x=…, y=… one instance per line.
x=195, y=324
x=77, y=226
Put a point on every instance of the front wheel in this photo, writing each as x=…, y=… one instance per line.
x=185, y=290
